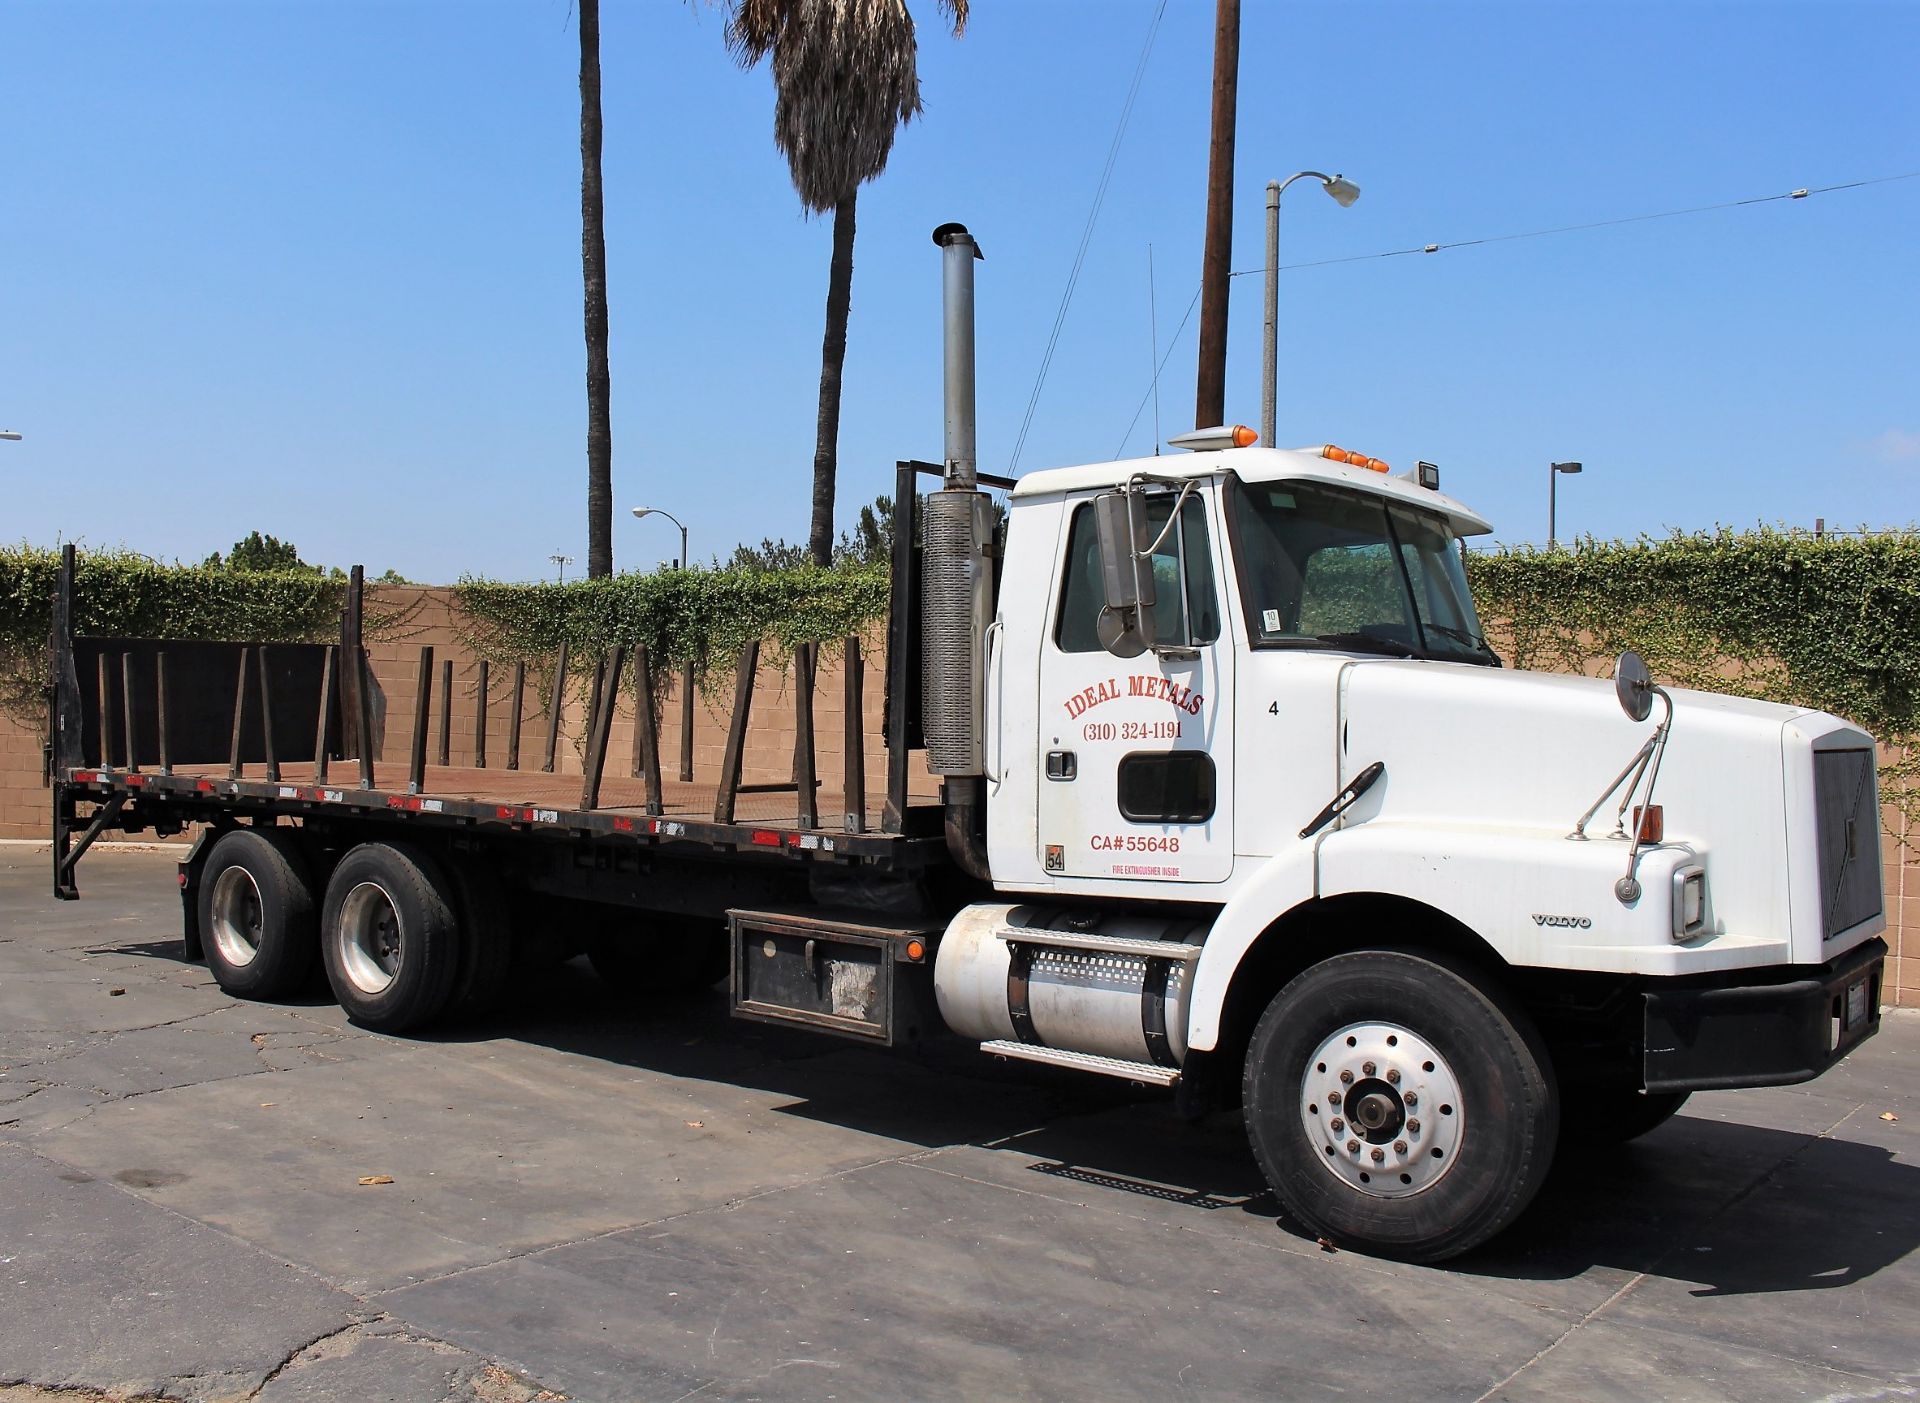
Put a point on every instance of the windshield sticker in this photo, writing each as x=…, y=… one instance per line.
x=1270, y=620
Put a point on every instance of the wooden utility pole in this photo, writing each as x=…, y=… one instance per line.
x=1210, y=406
x=593, y=264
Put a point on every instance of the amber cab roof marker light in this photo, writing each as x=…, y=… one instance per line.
x=1208, y=440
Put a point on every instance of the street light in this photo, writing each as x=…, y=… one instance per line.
x=1553, y=481
x=686, y=674
x=658, y=511
x=563, y=561
x=9, y=433
x=1344, y=193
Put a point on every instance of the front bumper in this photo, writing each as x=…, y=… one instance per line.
x=1721, y=1035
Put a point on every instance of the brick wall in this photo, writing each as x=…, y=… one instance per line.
x=769, y=756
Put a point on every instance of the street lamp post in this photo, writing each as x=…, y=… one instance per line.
x=1553, y=482
x=9, y=434
x=1344, y=193
x=686, y=673
x=563, y=561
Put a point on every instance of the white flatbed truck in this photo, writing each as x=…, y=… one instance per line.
x=1237, y=801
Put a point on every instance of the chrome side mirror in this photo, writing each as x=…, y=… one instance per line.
x=1633, y=685
x=1125, y=627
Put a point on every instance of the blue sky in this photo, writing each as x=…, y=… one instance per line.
x=313, y=268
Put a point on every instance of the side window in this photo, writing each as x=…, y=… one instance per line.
x=1186, y=611
x=1172, y=786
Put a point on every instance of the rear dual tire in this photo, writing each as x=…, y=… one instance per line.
x=390, y=936
x=258, y=926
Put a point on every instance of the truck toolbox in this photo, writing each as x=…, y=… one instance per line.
x=1725, y=1035
x=833, y=973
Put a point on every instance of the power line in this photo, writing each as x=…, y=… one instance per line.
x=1086, y=235
x=1156, y=373
x=1800, y=194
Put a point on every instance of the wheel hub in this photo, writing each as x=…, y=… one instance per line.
x=1383, y=1109
x=367, y=938
x=235, y=909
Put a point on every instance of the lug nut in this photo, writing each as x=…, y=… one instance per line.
x=1346, y=1078
x=1393, y=1076
x=1399, y=1147
x=1379, y=1156
x=1413, y=1127
x=1353, y=1147
x=1412, y=1098
x=1338, y=1125
x=1333, y=1098
x=1367, y=1067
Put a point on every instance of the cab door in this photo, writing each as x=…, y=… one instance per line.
x=1135, y=762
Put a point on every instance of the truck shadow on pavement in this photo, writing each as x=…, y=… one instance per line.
x=1726, y=1207
x=1723, y=1207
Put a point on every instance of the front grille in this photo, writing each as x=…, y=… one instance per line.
x=1849, y=815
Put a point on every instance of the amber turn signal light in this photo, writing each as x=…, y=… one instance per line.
x=1651, y=822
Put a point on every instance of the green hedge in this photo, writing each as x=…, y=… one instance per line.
x=1832, y=624
x=119, y=594
x=700, y=616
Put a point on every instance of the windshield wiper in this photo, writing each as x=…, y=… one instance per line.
x=1366, y=643
x=1472, y=640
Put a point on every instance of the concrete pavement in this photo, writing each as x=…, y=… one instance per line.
x=603, y=1198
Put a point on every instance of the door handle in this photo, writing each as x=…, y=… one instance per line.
x=1062, y=764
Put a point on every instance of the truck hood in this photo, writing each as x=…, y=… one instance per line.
x=1490, y=747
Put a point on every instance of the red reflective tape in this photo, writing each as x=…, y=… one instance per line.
x=133, y=780
x=764, y=839
x=205, y=786
x=505, y=813
x=623, y=825
x=793, y=840
x=394, y=801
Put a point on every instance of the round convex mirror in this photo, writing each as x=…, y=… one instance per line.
x=1116, y=636
x=1633, y=685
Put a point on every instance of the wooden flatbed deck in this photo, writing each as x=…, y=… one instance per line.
x=516, y=800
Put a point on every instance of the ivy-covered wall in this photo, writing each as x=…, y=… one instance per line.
x=119, y=594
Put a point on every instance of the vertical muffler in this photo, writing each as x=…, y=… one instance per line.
x=957, y=579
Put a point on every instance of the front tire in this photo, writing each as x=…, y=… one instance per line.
x=257, y=924
x=1398, y=1106
x=390, y=936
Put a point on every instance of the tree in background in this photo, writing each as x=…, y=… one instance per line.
x=258, y=552
x=593, y=267
x=271, y=554
x=845, y=79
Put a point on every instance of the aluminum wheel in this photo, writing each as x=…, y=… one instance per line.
x=236, y=911
x=367, y=938
x=1383, y=1108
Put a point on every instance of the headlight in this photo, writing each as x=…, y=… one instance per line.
x=1689, y=902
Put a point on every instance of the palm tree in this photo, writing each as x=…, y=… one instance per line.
x=593, y=267
x=845, y=79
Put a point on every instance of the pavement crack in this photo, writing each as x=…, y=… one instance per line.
x=299, y=1350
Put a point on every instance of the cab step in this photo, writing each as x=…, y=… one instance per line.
x=1101, y=944
x=1147, y=1073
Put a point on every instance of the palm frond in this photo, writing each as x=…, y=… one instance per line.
x=845, y=75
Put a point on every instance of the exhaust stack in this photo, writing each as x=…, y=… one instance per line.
x=957, y=578
x=956, y=285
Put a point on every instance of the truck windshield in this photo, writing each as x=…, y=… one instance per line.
x=1322, y=566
